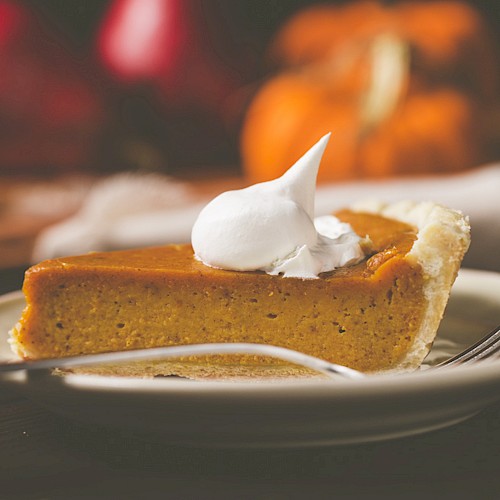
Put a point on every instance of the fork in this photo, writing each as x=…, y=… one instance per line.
x=487, y=347
x=330, y=369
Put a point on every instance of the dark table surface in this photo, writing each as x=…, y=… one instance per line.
x=45, y=456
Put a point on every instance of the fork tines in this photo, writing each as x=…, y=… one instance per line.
x=487, y=347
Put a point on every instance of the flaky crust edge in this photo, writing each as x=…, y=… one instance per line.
x=443, y=238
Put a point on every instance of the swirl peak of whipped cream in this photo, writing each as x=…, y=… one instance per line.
x=270, y=227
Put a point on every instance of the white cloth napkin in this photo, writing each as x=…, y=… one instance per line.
x=127, y=211
x=123, y=211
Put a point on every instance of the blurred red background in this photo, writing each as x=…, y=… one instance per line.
x=106, y=85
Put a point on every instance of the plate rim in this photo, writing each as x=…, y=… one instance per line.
x=378, y=408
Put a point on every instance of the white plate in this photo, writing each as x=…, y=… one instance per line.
x=291, y=413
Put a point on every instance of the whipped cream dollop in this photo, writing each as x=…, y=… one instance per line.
x=270, y=227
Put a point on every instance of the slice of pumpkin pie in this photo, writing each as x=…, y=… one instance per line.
x=366, y=288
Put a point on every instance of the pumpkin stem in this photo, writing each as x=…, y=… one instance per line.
x=389, y=76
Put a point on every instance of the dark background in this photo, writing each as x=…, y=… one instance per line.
x=240, y=31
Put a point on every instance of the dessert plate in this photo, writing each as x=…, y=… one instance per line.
x=295, y=413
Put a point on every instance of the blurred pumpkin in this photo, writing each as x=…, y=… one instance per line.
x=404, y=90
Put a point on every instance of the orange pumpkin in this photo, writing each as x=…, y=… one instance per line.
x=449, y=39
x=391, y=84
